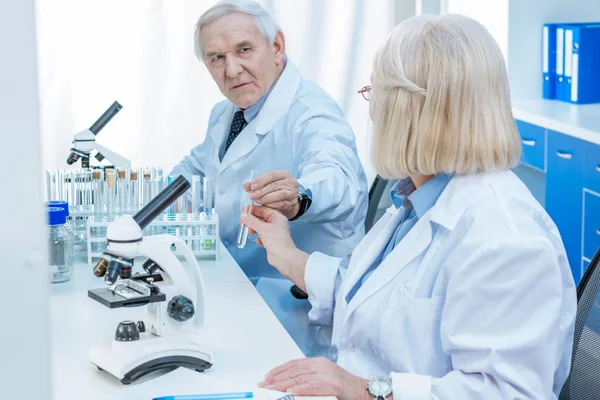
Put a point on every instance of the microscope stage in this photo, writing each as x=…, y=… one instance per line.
x=112, y=300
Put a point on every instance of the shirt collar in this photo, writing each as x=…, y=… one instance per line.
x=251, y=112
x=422, y=199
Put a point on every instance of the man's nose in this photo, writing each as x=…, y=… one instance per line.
x=233, y=67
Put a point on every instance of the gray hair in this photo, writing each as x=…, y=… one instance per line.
x=264, y=22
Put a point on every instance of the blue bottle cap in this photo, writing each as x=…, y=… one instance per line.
x=56, y=216
x=59, y=204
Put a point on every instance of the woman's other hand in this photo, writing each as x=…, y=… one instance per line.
x=316, y=377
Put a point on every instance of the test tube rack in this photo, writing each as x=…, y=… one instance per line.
x=200, y=233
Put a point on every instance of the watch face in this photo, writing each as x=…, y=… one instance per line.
x=380, y=387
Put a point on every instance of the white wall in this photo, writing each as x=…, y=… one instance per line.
x=493, y=14
x=24, y=330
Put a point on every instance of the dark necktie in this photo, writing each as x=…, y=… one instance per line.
x=237, y=125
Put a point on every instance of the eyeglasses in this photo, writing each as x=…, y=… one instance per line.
x=366, y=92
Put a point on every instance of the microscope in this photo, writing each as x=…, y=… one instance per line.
x=85, y=143
x=173, y=294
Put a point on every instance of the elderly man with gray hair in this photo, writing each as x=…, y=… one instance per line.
x=290, y=131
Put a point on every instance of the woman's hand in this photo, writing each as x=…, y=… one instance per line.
x=316, y=377
x=274, y=234
x=277, y=190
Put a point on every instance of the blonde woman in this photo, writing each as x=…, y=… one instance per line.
x=462, y=290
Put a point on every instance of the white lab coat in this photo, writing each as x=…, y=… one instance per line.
x=476, y=302
x=300, y=129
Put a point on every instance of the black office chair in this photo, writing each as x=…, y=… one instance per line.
x=378, y=188
x=583, y=382
x=376, y=192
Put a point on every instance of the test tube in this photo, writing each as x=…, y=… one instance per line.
x=195, y=210
x=208, y=206
x=146, y=188
x=147, y=195
x=60, y=182
x=134, y=192
x=87, y=188
x=98, y=195
x=71, y=187
x=247, y=204
x=196, y=195
x=110, y=193
x=157, y=182
x=207, y=215
x=122, y=191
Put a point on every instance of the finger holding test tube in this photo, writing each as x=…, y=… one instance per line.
x=247, y=204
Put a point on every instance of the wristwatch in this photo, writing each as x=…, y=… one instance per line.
x=305, y=200
x=379, y=388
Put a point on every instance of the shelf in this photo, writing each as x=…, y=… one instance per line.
x=580, y=121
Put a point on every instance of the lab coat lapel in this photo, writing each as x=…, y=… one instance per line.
x=370, y=248
x=219, y=132
x=275, y=108
x=414, y=243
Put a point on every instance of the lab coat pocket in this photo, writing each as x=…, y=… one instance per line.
x=410, y=334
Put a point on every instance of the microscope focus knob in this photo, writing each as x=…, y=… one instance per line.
x=181, y=308
x=127, y=331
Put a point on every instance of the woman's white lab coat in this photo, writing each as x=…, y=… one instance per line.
x=476, y=302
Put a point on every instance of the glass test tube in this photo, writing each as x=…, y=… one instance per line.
x=195, y=209
x=122, y=191
x=110, y=193
x=49, y=185
x=208, y=206
x=146, y=188
x=70, y=184
x=134, y=193
x=247, y=204
x=98, y=184
x=60, y=177
x=147, y=195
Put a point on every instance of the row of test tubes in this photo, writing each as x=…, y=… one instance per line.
x=107, y=193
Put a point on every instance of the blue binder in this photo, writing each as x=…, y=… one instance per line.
x=549, y=61
x=581, y=83
x=555, y=85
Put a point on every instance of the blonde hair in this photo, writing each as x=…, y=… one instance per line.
x=440, y=100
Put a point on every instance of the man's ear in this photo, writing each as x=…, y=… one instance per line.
x=279, y=48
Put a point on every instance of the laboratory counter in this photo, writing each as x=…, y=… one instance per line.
x=244, y=337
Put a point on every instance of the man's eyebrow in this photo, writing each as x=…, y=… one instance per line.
x=244, y=43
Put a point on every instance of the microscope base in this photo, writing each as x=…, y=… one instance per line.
x=128, y=361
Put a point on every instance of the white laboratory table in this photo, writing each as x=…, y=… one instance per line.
x=244, y=336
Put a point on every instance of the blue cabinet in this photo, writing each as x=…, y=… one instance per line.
x=571, y=169
x=591, y=168
x=564, y=193
x=591, y=224
x=533, y=141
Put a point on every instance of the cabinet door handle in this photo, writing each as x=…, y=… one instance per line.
x=565, y=156
x=529, y=143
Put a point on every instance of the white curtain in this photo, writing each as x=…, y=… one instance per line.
x=140, y=53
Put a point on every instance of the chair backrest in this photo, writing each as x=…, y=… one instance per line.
x=584, y=380
x=378, y=202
